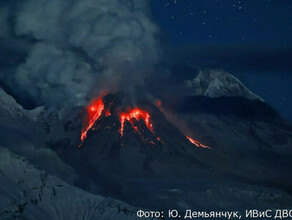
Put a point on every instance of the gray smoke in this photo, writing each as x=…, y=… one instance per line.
x=82, y=47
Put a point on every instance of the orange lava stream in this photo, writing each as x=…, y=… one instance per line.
x=138, y=114
x=197, y=143
x=94, y=111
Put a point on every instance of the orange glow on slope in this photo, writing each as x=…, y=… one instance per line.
x=107, y=113
x=138, y=114
x=197, y=143
x=158, y=103
x=94, y=111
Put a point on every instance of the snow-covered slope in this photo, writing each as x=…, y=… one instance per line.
x=21, y=134
x=8, y=105
x=10, y=108
x=28, y=193
x=216, y=83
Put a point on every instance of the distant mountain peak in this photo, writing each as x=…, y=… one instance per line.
x=218, y=83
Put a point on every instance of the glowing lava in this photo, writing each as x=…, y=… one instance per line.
x=197, y=143
x=94, y=111
x=97, y=108
x=137, y=114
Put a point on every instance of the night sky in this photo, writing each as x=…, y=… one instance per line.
x=250, y=39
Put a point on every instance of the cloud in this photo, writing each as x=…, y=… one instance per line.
x=83, y=46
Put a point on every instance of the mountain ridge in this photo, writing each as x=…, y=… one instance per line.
x=218, y=83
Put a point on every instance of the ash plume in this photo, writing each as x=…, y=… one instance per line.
x=82, y=47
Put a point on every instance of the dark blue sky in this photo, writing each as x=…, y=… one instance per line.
x=225, y=21
x=252, y=39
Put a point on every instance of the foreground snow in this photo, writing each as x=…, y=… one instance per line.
x=26, y=192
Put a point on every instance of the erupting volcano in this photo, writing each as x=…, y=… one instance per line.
x=97, y=107
x=134, y=116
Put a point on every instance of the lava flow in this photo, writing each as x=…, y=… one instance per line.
x=137, y=114
x=94, y=111
x=197, y=143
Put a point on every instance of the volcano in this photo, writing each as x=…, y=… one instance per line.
x=112, y=132
x=132, y=150
x=133, y=117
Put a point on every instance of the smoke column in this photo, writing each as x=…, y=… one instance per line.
x=82, y=47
